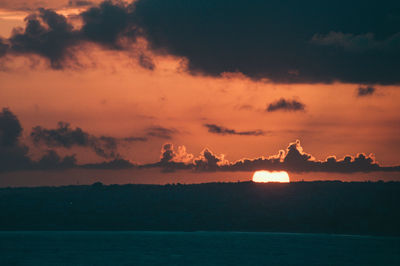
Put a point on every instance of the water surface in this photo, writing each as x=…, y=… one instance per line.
x=194, y=248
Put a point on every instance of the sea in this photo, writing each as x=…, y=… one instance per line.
x=193, y=248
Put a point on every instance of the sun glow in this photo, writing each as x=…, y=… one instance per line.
x=266, y=176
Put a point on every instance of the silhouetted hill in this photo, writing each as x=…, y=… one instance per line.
x=311, y=207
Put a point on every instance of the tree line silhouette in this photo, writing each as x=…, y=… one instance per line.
x=370, y=208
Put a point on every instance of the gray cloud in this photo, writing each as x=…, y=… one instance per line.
x=285, y=105
x=220, y=130
x=365, y=91
x=65, y=136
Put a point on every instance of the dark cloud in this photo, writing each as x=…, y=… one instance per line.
x=80, y=3
x=146, y=62
x=172, y=159
x=357, y=43
x=365, y=91
x=118, y=163
x=108, y=23
x=51, y=160
x=208, y=161
x=65, y=136
x=14, y=155
x=104, y=146
x=10, y=128
x=134, y=139
x=284, y=41
x=292, y=159
x=160, y=132
x=51, y=36
x=215, y=129
x=15, y=158
x=3, y=47
x=296, y=160
x=47, y=34
x=285, y=105
x=167, y=153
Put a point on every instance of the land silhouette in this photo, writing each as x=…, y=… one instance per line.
x=334, y=207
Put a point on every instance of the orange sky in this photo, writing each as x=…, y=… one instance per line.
x=118, y=98
x=111, y=94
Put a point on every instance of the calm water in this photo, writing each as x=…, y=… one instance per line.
x=197, y=248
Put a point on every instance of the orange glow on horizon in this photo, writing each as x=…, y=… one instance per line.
x=266, y=176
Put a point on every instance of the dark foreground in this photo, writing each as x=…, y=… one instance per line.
x=197, y=248
x=304, y=207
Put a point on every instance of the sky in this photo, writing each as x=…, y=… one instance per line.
x=156, y=91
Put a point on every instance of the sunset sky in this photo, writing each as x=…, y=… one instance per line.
x=162, y=91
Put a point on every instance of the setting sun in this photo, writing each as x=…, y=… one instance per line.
x=266, y=176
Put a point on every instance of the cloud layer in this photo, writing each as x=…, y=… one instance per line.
x=286, y=42
x=292, y=159
x=14, y=154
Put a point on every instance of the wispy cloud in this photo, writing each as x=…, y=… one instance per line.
x=220, y=130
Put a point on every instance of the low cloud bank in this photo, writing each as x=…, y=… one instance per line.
x=14, y=155
x=292, y=159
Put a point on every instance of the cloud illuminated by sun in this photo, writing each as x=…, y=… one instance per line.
x=266, y=176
